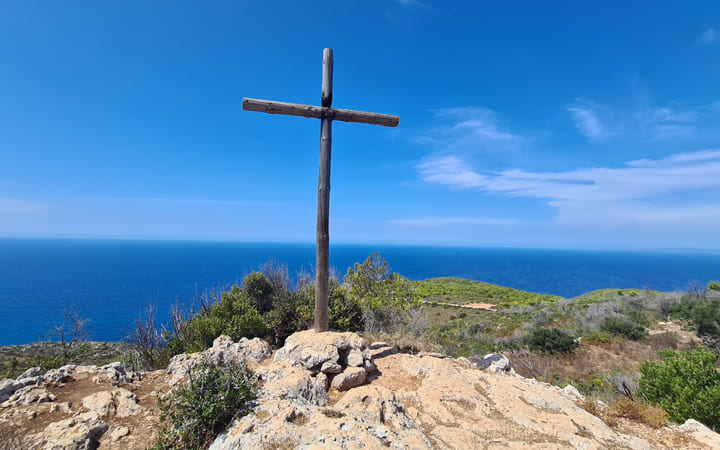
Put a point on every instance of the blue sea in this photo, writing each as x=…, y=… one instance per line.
x=110, y=281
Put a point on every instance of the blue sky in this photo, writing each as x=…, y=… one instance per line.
x=525, y=124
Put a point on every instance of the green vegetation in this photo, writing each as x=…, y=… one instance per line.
x=617, y=326
x=536, y=330
x=686, y=385
x=195, y=412
x=236, y=315
x=460, y=291
x=714, y=285
x=383, y=297
x=704, y=313
x=550, y=340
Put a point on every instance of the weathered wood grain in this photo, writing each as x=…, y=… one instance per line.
x=319, y=112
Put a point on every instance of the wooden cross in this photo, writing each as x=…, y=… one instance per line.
x=326, y=114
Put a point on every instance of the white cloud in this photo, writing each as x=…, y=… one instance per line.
x=666, y=123
x=450, y=171
x=708, y=36
x=631, y=194
x=435, y=222
x=588, y=124
x=469, y=131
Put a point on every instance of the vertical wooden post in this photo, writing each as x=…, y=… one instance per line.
x=323, y=212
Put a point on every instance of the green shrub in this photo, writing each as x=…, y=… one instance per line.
x=598, y=337
x=259, y=291
x=550, y=340
x=705, y=314
x=195, y=412
x=617, y=326
x=384, y=297
x=686, y=385
x=714, y=285
x=234, y=316
x=345, y=313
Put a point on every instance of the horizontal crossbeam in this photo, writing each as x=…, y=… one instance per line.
x=319, y=112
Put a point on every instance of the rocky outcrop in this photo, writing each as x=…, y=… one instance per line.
x=120, y=403
x=81, y=432
x=327, y=390
x=73, y=407
x=424, y=401
x=251, y=351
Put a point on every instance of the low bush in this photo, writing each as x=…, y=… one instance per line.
x=597, y=338
x=647, y=413
x=714, y=285
x=550, y=340
x=686, y=385
x=194, y=413
x=704, y=313
x=617, y=325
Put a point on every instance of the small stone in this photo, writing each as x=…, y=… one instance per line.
x=100, y=402
x=572, y=392
x=350, y=378
x=126, y=403
x=323, y=380
x=355, y=358
x=118, y=433
x=30, y=373
x=331, y=367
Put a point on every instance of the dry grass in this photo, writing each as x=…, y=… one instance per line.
x=647, y=413
x=589, y=360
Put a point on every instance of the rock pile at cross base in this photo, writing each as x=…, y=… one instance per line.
x=327, y=390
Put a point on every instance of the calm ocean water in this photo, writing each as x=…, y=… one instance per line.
x=108, y=282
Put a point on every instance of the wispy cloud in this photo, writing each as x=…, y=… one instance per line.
x=13, y=206
x=634, y=193
x=588, y=123
x=469, y=130
x=666, y=123
x=708, y=36
x=439, y=222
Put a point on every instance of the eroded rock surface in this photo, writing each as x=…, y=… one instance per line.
x=424, y=401
x=251, y=351
x=327, y=390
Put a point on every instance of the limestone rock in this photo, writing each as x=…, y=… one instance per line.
x=116, y=373
x=29, y=395
x=311, y=349
x=355, y=358
x=81, y=432
x=120, y=403
x=331, y=367
x=251, y=351
x=494, y=362
x=349, y=378
x=572, y=392
x=30, y=373
x=117, y=433
x=8, y=387
x=101, y=402
x=701, y=433
x=412, y=402
x=126, y=403
x=287, y=382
